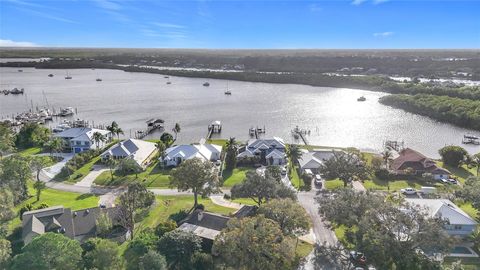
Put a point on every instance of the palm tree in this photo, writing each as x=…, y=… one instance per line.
x=111, y=163
x=176, y=130
x=112, y=128
x=294, y=153
x=386, y=156
x=161, y=149
x=231, y=158
x=55, y=145
x=97, y=138
x=475, y=162
x=119, y=131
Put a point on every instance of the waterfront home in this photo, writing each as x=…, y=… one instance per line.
x=409, y=158
x=268, y=151
x=81, y=139
x=179, y=153
x=459, y=223
x=78, y=225
x=311, y=161
x=140, y=151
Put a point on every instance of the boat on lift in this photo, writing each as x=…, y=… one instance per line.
x=66, y=111
x=471, y=139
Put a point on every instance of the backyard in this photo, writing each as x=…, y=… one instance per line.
x=153, y=176
x=234, y=177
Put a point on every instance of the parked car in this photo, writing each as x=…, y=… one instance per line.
x=443, y=180
x=452, y=181
x=318, y=180
x=408, y=191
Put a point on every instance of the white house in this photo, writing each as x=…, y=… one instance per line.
x=312, y=160
x=177, y=154
x=459, y=222
x=140, y=151
x=270, y=151
x=81, y=139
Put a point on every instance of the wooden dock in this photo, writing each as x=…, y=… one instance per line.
x=301, y=133
x=214, y=127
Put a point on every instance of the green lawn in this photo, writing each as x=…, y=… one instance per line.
x=294, y=177
x=462, y=172
x=30, y=151
x=55, y=197
x=167, y=205
x=153, y=176
x=79, y=174
x=221, y=142
x=333, y=184
x=468, y=208
x=303, y=249
x=234, y=177
x=246, y=201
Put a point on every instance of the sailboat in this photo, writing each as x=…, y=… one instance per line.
x=228, y=92
x=98, y=78
x=68, y=77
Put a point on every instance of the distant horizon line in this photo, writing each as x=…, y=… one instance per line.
x=237, y=49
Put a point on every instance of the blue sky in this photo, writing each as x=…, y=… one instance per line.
x=241, y=24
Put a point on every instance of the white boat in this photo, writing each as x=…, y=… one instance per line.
x=68, y=77
x=67, y=111
x=61, y=127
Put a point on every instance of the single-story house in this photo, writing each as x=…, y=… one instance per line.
x=81, y=139
x=179, y=153
x=312, y=160
x=409, y=158
x=140, y=151
x=208, y=225
x=79, y=225
x=269, y=151
x=459, y=222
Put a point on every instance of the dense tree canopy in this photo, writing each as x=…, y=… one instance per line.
x=461, y=112
x=453, y=155
x=32, y=134
x=7, y=139
x=14, y=174
x=178, y=247
x=290, y=216
x=50, y=251
x=135, y=199
x=346, y=166
x=105, y=255
x=374, y=223
x=261, y=188
x=255, y=243
x=195, y=175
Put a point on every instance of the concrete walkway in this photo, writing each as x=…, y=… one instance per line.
x=358, y=186
x=52, y=171
x=219, y=200
x=87, y=181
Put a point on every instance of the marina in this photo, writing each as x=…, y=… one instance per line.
x=332, y=115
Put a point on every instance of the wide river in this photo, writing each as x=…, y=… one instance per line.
x=333, y=115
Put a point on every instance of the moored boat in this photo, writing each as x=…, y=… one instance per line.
x=362, y=98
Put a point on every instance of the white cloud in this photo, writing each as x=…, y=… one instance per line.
x=383, y=34
x=375, y=2
x=169, y=25
x=108, y=5
x=11, y=43
x=358, y=2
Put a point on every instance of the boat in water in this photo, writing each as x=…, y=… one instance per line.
x=471, y=139
x=99, y=79
x=20, y=70
x=50, y=75
x=66, y=111
x=16, y=91
x=206, y=84
x=362, y=98
x=68, y=77
x=169, y=82
x=228, y=92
